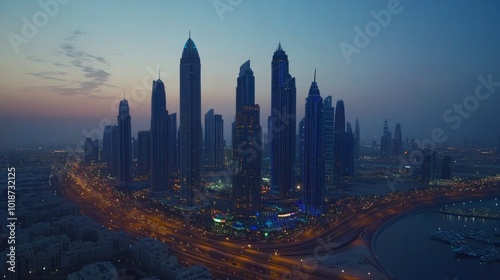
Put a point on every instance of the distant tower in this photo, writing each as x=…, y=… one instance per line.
x=349, y=145
x=313, y=173
x=428, y=166
x=173, y=148
x=208, y=143
x=159, y=138
x=338, y=134
x=144, y=153
x=329, y=132
x=397, y=142
x=124, y=144
x=357, y=141
x=190, y=122
x=282, y=125
x=385, y=141
x=340, y=116
x=343, y=144
x=214, y=140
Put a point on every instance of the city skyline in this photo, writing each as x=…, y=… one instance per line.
x=250, y=139
x=84, y=82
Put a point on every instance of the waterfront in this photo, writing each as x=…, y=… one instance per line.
x=424, y=258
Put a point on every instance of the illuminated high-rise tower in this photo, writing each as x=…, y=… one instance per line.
x=313, y=168
x=124, y=144
x=282, y=125
x=329, y=135
x=159, y=138
x=245, y=95
x=248, y=158
x=190, y=121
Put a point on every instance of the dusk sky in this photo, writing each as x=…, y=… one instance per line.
x=70, y=72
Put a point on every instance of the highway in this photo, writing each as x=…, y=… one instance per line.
x=235, y=259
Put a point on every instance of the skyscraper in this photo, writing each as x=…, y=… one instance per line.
x=245, y=87
x=208, y=143
x=313, y=173
x=340, y=116
x=386, y=140
x=124, y=144
x=144, y=153
x=302, y=130
x=282, y=125
x=338, y=134
x=173, y=153
x=397, y=142
x=245, y=95
x=190, y=121
x=329, y=135
x=248, y=157
x=108, y=139
x=214, y=140
x=343, y=144
x=357, y=141
x=159, y=138
x=428, y=165
x=349, y=143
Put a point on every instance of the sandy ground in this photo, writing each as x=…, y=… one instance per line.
x=352, y=262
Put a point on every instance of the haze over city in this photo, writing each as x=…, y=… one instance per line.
x=76, y=67
x=236, y=139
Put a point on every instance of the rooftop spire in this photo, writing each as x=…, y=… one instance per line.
x=189, y=34
x=314, y=74
x=279, y=46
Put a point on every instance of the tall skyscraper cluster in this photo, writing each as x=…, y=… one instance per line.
x=325, y=147
x=389, y=146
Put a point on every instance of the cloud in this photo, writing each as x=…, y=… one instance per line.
x=74, y=36
x=90, y=65
x=35, y=59
x=61, y=64
x=49, y=75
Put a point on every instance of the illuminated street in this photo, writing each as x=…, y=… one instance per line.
x=227, y=257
